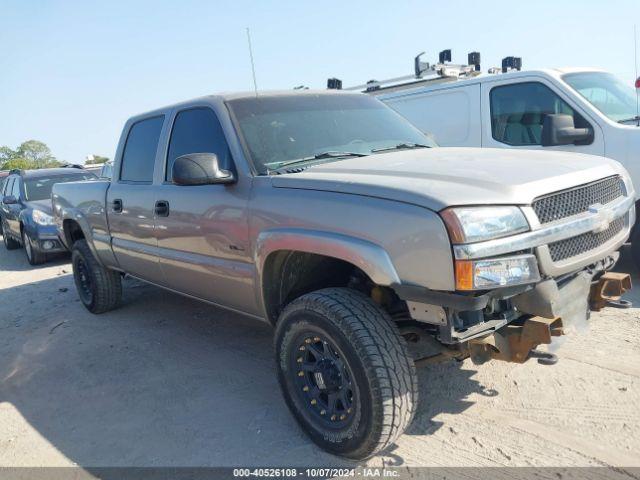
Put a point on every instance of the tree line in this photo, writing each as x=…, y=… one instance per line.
x=33, y=154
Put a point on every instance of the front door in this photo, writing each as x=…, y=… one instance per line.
x=131, y=200
x=202, y=233
x=514, y=112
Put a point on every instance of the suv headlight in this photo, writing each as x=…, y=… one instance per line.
x=475, y=224
x=42, y=218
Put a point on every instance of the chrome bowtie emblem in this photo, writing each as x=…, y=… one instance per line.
x=605, y=216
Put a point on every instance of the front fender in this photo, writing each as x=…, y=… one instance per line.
x=66, y=213
x=367, y=256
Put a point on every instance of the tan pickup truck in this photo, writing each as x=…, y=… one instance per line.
x=368, y=248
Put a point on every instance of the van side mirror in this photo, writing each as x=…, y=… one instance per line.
x=9, y=200
x=559, y=129
x=199, y=169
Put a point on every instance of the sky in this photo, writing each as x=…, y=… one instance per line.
x=72, y=72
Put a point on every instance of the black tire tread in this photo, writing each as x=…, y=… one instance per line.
x=108, y=283
x=383, y=351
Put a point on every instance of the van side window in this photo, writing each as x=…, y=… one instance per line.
x=197, y=130
x=139, y=153
x=518, y=111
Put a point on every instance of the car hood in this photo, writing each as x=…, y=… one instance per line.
x=437, y=178
x=42, y=205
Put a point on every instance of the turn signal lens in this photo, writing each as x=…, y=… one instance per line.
x=496, y=272
x=464, y=275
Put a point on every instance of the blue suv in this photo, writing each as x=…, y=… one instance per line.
x=26, y=211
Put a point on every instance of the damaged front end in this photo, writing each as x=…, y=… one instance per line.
x=510, y=324
x=526, y=274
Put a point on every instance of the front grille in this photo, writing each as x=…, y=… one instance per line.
x=574, y=246
x=577, y=200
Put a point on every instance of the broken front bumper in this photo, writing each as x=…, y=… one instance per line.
x=558, y=309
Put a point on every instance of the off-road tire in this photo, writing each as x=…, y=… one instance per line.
x=99, y=288
x=34, y=256
x=9, y=243
x=635, y=247
x=370, y=343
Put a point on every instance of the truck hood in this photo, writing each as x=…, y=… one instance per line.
x=437, y=178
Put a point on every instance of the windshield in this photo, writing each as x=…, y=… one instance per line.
x=278, y=130
x=606, y=92
x=39, y=188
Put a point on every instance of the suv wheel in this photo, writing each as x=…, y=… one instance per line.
x=99, y=288
x=9, y=243
x=345, y=372
x=34, y=256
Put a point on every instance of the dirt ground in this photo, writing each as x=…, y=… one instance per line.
x=168, y=381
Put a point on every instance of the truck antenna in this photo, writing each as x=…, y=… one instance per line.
x=253, y=67
x=635, y=50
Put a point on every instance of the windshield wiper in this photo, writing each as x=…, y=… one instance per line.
x=318, y=156
x=400, y=146
x=632, y=119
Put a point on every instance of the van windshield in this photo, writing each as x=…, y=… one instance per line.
x=607, y=93
x=283, y=129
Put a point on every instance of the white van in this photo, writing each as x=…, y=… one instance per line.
x=578, y=110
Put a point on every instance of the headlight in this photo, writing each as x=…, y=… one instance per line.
x=496, y=272
x=42, y=218
x=474, y=224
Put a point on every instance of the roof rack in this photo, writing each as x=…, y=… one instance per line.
x=424, y=72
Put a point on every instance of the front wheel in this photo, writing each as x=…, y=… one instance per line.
x=34, y=256
x=99, y=288
x=345, y=372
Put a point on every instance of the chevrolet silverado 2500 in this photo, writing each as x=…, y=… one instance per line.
x=369, y=250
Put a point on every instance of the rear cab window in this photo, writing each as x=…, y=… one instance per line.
x=139, y=155
x=518, y=111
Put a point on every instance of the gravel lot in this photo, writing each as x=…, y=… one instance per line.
x=168, y=381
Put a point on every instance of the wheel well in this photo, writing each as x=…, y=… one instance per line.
x=72, y=232
x=288, y=275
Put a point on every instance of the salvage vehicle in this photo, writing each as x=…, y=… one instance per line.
x=371, y=251
x=25, y=210
x=584, y=110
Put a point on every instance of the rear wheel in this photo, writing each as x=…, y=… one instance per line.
x=99, y=288
x=345, y=372
x=9, y=243
x=34, y=256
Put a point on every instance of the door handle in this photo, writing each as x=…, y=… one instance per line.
x=116, y=205
x=162, y=208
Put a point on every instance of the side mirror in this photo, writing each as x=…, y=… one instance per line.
x=199, y=169
x=559, y=129
x=9, y=200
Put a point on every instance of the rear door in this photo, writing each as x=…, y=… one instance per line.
x=6, y=210
x=513, y=113
x=131, y=198
x=13, y=211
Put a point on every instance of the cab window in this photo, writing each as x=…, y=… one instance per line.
x=518, y=111
x=197, y=130
x=140, y=149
